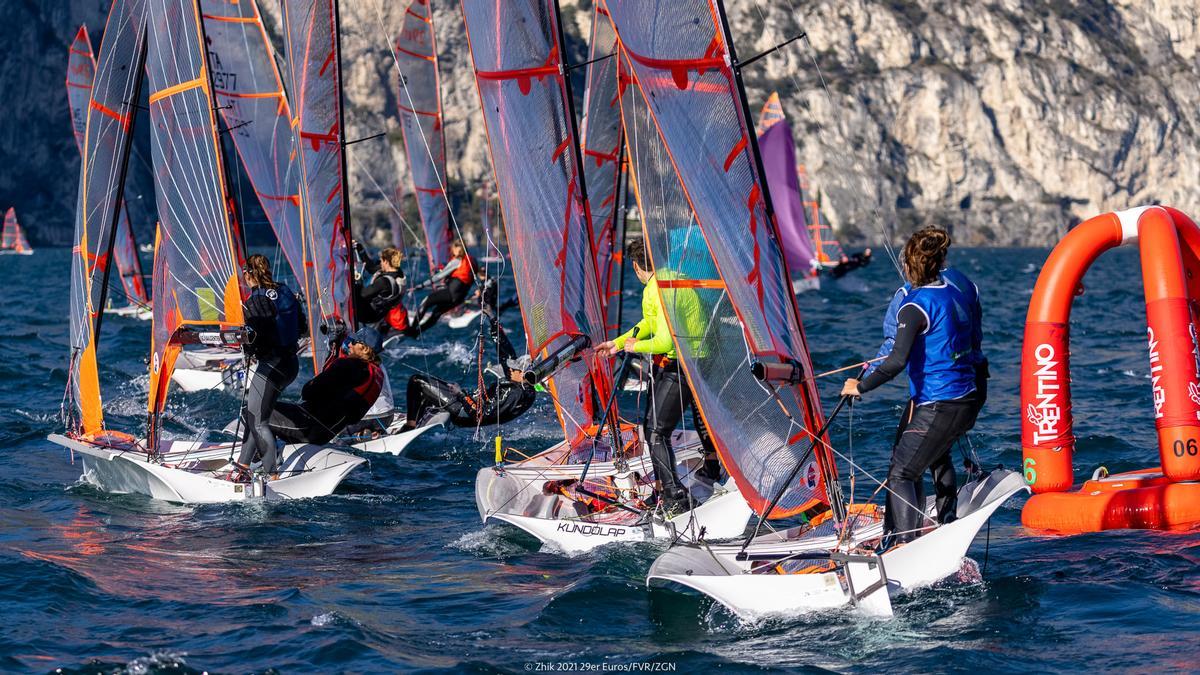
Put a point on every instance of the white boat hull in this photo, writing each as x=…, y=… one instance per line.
x=395, y=441
x=512, y=494
x=188, y=473
x=10, y=252
x=716, y=571
x=210, y=368
x=464, y=319
x=132, y=311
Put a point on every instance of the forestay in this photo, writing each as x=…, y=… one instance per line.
x=420, y=103
x=196, y=281
x=602, y=150
x=310, y=31
x=696, y=133
x=249, y=93
x=516, y=50
x=81, y=71
x=105, y=156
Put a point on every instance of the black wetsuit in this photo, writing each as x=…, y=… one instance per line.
x=672, y=395
x=340, y=395
x=852, y=263
x=441, y=299
x=500, y=402
x=373, y=301
x=923, y=440
x=275, y=321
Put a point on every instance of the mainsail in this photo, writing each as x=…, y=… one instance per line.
x=778, y=151
x=196, y=285
x=81, y=71
x=420, y=103
x=249, y=93
x=12, y=238
x=603, y=152
x=696, y=134
x=310, y=32
x=516, y=51
x=105, y=157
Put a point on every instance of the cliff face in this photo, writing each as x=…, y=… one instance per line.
x=1006, y=120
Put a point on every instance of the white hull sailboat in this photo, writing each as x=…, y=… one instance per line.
x=516, y=494
x=192, y=472
x=807, y=569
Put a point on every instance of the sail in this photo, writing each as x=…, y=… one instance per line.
x=196, y=281
x=696, y=132
x=249, y=92
x=108, y=133
x=602, y=151
x=420, y=103
x=778, y=151
x=313, y=76
x=515, y=47
x=13, y=237
x=81, y=71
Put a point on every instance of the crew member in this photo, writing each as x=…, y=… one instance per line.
x=340, y=395
x=500, y=402
x=850, y=263
x=934, y=340
x=380, y=303
x=672, y=393
x=455, y=278
x=275, y=322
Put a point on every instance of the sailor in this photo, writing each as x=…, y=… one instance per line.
x=849, y=263
x=340, y=395
x=672, y=393
x=452, y=283
x=935, y=337
x=380, y=303
x=498, y=403
x=275, y=322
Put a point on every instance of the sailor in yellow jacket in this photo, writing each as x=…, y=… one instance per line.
x=672, y=394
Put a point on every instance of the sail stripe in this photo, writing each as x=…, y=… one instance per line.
x=180, y=88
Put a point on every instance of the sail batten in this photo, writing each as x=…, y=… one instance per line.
x=706, y=217
x=516, y=53
x=420, y=104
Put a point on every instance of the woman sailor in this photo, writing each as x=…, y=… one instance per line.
x=275, y=323
x=935, y=339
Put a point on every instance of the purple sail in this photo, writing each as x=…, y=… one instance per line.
x=778, y=152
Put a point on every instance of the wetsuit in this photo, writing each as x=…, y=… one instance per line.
x=276, y=322
x=500, y=402
x=933, y=340
x=458, y=275
x=340, y=395
x=852, y=263
x=373, y=301
x=672, y=394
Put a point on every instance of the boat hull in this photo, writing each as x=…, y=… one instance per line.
x=717, y=572
x=189, y=475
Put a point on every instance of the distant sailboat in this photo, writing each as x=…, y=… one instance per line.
x=787, y=192
x=12, y=239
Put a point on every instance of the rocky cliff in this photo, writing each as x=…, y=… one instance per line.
x=1005, y=119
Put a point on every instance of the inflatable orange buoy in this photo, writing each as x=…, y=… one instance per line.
x=1169, y=243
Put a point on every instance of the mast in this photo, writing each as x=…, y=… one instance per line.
x=351, y=320
x=620, y=212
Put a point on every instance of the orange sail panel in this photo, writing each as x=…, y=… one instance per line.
x=13, y=237
x=248, y=89
x=81, y=71
x=515, y=47
x=105, y=156
x=696, y=135
x=602, y=151
x=420, y=103
x=196, y=276
x=313, y=76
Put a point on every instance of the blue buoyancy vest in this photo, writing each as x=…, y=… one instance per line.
x=970, y=295
x=287, y=314
x=939, y=366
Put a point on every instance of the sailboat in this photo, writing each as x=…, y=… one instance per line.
x=197, y=292
x=751, y=371
x=12, y=237
x=778, y=150
x=591, y=488
x=81, y=70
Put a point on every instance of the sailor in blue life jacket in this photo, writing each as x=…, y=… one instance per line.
x=275, y=323
x=937, y=338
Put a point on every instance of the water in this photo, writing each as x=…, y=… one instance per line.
x=395, y=571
